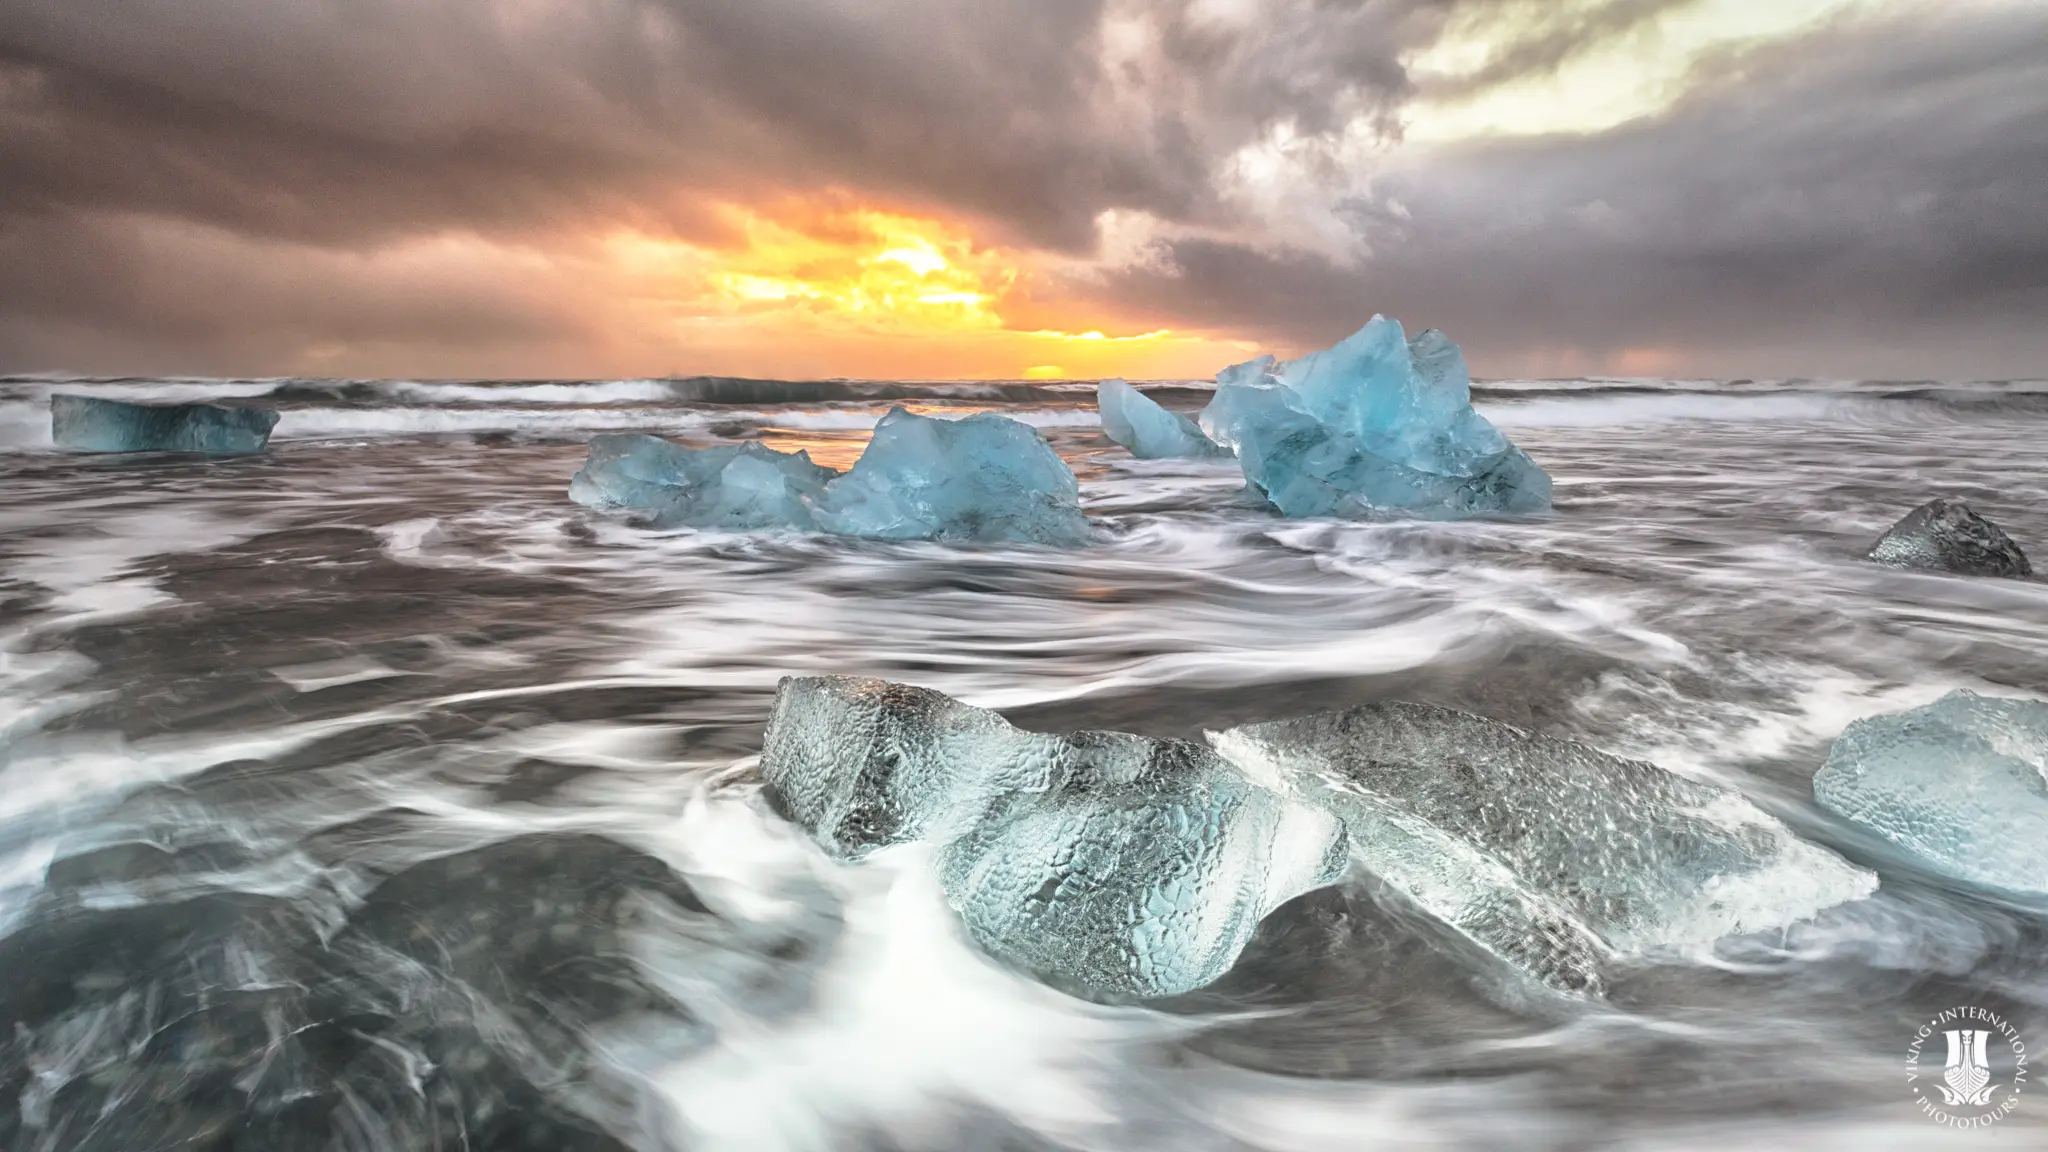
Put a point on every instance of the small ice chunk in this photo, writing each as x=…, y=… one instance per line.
x=986, y=478
x=1549, y=853
x=1961, y=783
x=1375, y=426
x=1948, y=536
x=732, y=486
x=1149, y=431
x=1111, y=865
x=634, y=471
x=93, y=424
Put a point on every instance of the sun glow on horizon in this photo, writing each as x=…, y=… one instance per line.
x=899, y=287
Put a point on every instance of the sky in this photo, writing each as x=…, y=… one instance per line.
x=1021, y=188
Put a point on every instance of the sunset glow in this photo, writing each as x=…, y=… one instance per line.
x=1138, y=189
x=862, y=269
x=804, y=280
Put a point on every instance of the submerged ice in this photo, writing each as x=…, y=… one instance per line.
x=1547, y=852
x=1147, y=430
x=1120, y=866
x=1109, y=864
x=1961, y=783
x=986, y=478
x=94, y=424
x=1378, y=425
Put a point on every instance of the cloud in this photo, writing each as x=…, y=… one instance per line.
x=143, y=291
x=337, y=122
x=242, y=182
x=1869, y=199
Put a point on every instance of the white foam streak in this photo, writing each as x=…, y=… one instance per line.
x=1635, y=410
x=907, y=1024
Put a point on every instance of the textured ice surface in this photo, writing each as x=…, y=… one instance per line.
x=1109, y=864
x=1551, y=854
x=91, y=424
x=736, y=486
x=985, y=478
x=1149, y=431
x=1376, y=426
x=1961, y=783
x=1947, y=536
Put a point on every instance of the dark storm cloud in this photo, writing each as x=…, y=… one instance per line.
x=1873, y=198
x=339, y=121
x=373, y=122
x=150, y=151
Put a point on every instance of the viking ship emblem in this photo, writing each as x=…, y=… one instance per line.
x=1968, y=1075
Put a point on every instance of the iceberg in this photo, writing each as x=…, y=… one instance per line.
x=1149, y=431
x=986, y=478
x=732, y=486
x=1376, y=426
x=1550, y=854
x=93, y=424
x=1117, y=866
x=1948, y=536
x=1110, y=865
x=1961, y=783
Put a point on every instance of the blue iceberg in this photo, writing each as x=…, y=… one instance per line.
x=1117, y=866
x=732, y=486
x=1552, y=855
x=1377, y=426
x=986, y=478
x=1149, y=431
x=1111, y=865
x=1961, y=783
x=92, y=424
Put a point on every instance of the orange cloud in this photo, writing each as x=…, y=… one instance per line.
x=847, y=290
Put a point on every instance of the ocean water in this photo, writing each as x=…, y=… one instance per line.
x=370, y=795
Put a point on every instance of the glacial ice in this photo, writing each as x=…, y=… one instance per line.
x=95, y=424
x=1119, y=866
x=1961, y=783
x=1378, y=425
x=1109, y=864
x=733, y=486
x=1949, y=536
x=1551, y=854
x=986, y=478
x=1147, y=430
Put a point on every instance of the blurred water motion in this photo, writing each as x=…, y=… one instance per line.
x=369, y=795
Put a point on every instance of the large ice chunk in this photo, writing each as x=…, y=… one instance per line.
x=985, y=478
x=735, y=486
x=1376, y=426
x=1149, y=431
x=1948, y=536
x=94, y=424
x=1551, y=854
x=1108, y=864
x=1962, y=783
